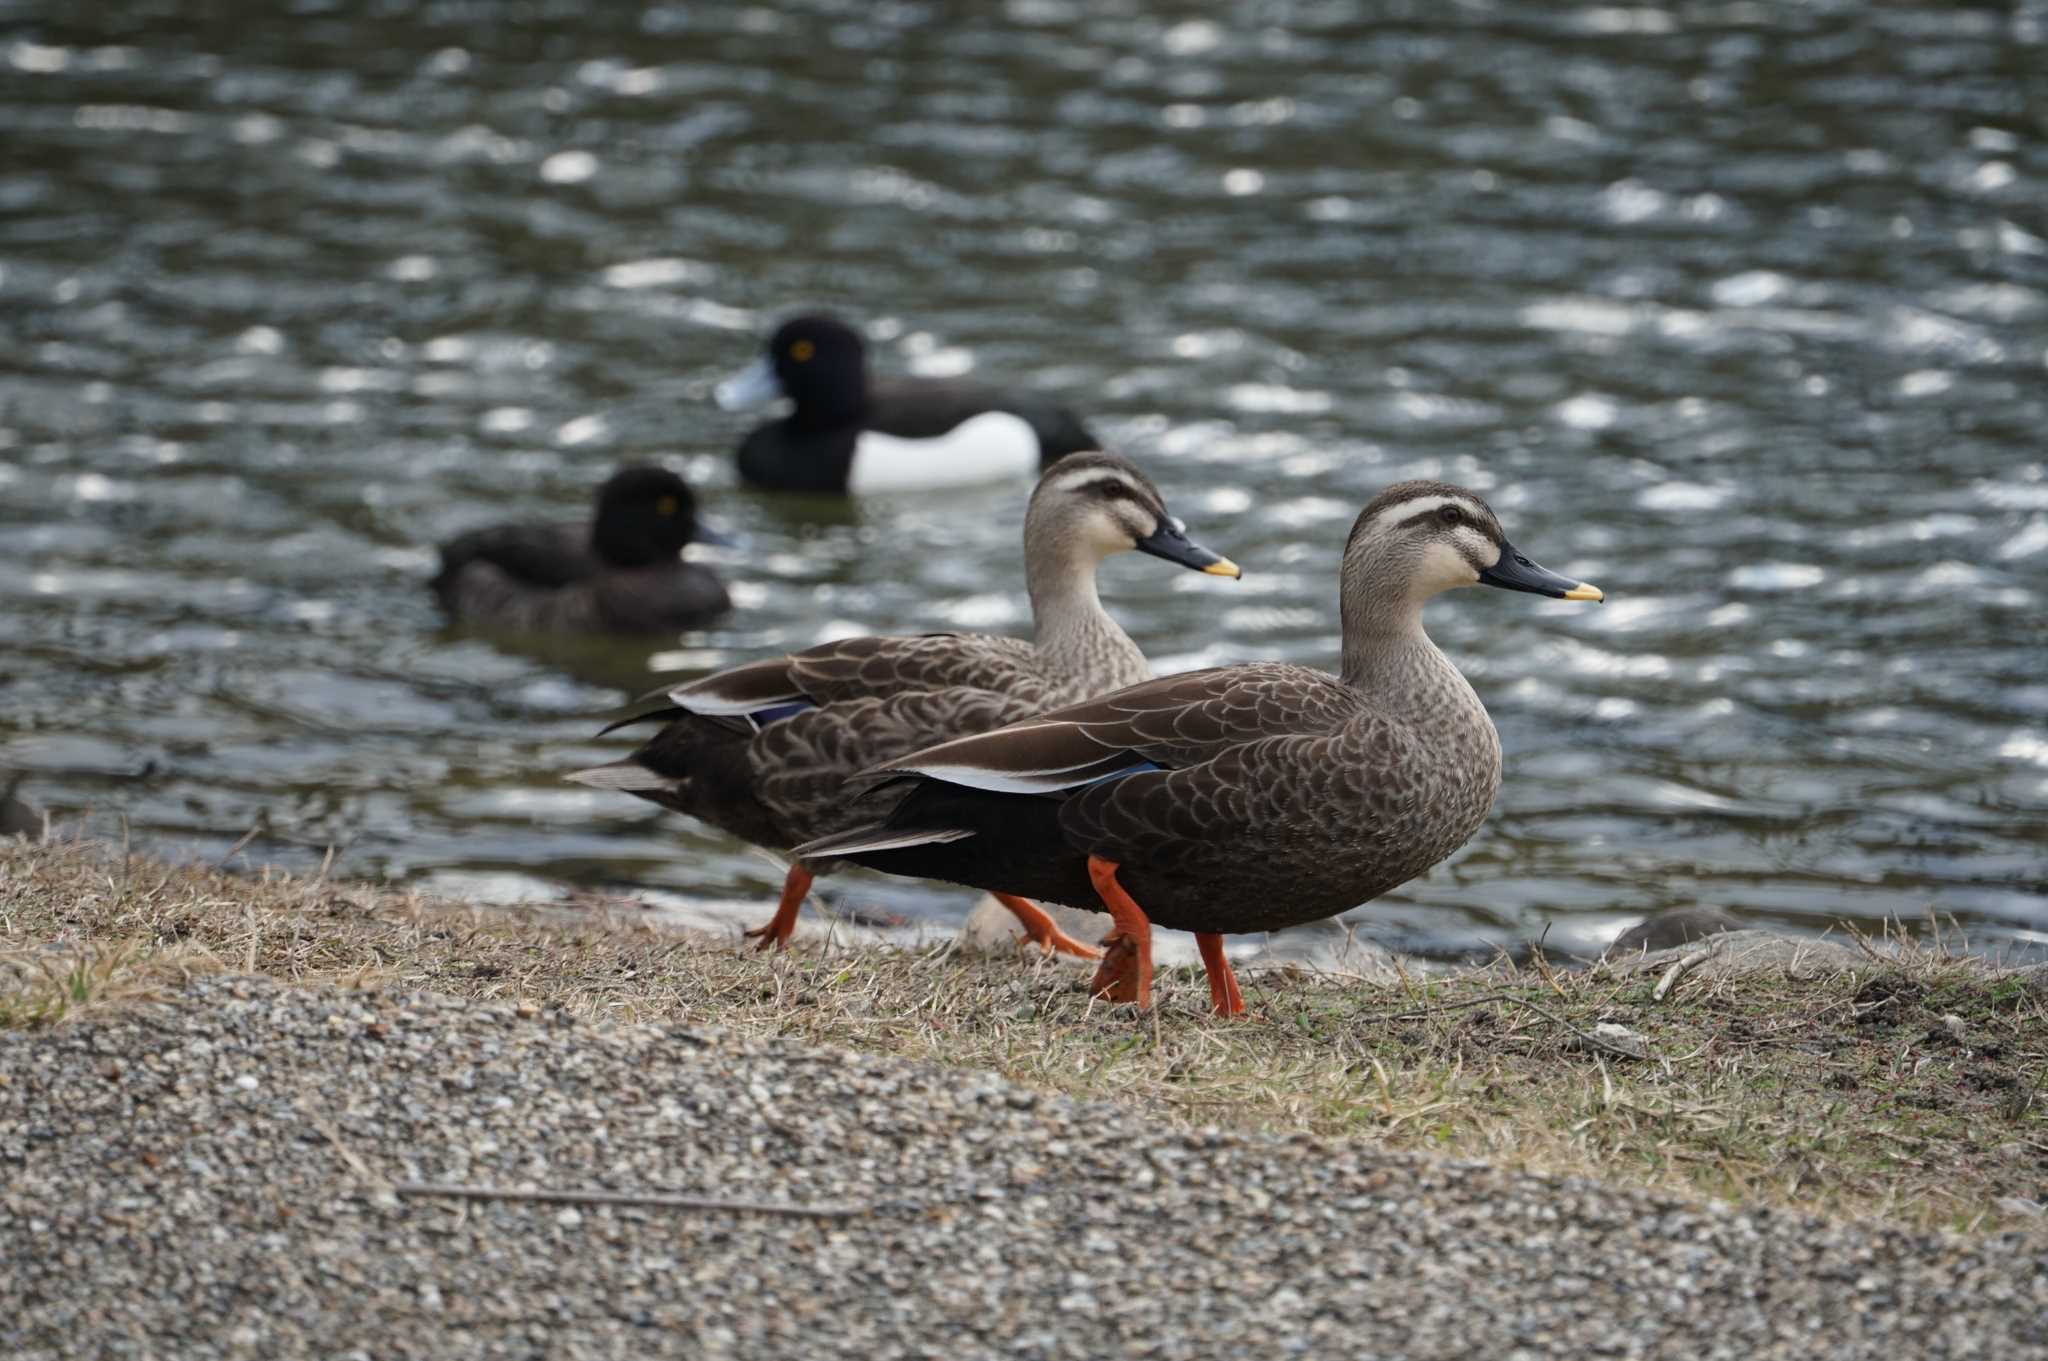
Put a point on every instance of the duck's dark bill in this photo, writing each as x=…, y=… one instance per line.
x=1171, y=542
x=751, y=386
x=1516, y=573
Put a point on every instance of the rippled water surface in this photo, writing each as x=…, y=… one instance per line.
x=1737, y=310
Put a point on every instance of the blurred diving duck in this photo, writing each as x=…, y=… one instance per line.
x=849, y=434
x=620, y=572
x=764, y=751
x=18, y=817
x=1241, y=798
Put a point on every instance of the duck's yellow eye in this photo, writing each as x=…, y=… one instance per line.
x=802, y=351
x=666, y=507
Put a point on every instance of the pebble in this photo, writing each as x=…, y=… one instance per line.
x=144, y=1217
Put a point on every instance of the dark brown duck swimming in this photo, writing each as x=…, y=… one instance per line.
x=764, y=751
x=619, y=572
x=1242, y=798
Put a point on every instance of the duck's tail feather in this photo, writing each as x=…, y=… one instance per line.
x=655, y=708
x=878, y=837
x=627, y=775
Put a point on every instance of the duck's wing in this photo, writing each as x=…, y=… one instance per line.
x=660, y=599
x=800, y=767
x=755, y=690
x=1033, y=777
x=850, y=670
x=875, y=668
x=925, y=408
x=1165, y=724
x=542, y=555
x=481, y=593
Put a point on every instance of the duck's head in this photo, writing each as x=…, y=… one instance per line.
x=1090, y=505
x=645, y=515
x=817, y=361
x=1416, y=539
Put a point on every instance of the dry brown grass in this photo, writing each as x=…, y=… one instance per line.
x=1848, y=1092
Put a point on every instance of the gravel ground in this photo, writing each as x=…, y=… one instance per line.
x=211, y=1175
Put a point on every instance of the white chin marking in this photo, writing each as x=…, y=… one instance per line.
x=986, y=448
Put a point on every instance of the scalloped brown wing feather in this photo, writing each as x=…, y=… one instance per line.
x=877, y=667
x=1172, y=722
x=801, y=765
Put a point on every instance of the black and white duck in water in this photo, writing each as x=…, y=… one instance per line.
x=1239, y=798
x=847, y=433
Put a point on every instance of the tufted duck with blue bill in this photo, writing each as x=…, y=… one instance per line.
x=847, y=433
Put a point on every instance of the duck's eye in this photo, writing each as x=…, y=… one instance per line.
x=802, y=351
x=667, y=506
x=1451, y=515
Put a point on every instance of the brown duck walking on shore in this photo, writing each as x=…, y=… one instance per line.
x=1237, y=799
x=764, y=751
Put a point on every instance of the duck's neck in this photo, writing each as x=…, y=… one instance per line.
x=1389, y=656
x=831, y=401
x=1073, y=633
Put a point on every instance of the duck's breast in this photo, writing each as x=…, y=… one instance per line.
x=783, y=456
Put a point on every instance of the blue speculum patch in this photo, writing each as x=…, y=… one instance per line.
x=763, y=717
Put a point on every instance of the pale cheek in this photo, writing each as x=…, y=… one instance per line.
x=1111, y=538
x=1445, y=568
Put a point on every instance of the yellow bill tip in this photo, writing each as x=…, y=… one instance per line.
x=1585, y=591
x=1223, y=567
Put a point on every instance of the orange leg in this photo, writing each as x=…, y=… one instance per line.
x=1223, y=993
x=1043, y=931
x=1126, y=972
x=1116, y=978
x=777, y=932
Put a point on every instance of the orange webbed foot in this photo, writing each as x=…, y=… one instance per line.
x=1116, y=979
x=1042, y=931
x=775, y=934
x=1126, y=972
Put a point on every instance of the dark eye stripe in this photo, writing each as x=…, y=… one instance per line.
x=1112, y=488
x=1471, y=521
